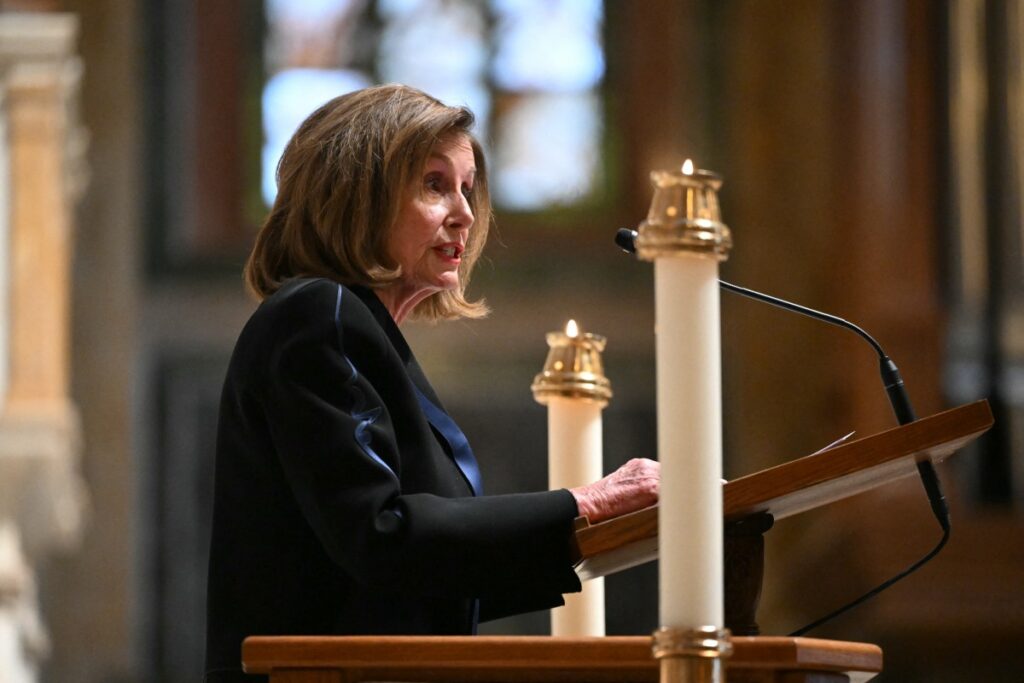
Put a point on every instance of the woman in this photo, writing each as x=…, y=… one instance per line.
x=346, y=500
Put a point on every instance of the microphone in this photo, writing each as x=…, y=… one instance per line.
x=891, y=379
x=626, y=240
x=898, y=399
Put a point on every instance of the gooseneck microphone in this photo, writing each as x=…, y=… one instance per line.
x=891, y=379
x=898, y=399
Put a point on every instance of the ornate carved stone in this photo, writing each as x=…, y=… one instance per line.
x=42, y=173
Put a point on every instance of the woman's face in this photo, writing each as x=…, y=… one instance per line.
x=433, y=224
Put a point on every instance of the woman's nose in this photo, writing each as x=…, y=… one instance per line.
x=460, y=214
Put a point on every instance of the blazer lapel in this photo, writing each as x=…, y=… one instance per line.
x=444, y=426
x=458, y=444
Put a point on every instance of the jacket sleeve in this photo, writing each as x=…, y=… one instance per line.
x=337, y=446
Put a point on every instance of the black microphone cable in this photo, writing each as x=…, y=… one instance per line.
x=898, y=399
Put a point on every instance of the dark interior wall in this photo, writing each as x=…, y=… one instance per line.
x=832, y=120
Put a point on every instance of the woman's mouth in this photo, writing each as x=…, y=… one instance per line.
x=449, y=251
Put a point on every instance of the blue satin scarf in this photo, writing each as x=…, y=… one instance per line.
x=457, y=442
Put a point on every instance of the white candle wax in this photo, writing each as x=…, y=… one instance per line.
x=583, y=612
x=689, y=441
x=574, y=459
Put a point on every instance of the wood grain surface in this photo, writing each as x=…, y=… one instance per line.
x=516, y=659
x=796, y=486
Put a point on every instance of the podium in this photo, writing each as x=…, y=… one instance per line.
x=754, y=502
x=539, y=659
x=751, y=503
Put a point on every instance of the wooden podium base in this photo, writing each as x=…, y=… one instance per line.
x=751, y=504
x=538, y=659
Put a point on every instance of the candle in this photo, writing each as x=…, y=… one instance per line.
x=575, y=390
x=689, y=442
x=575, y=459
x=686, y=240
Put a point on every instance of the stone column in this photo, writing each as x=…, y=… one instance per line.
x=42, y=496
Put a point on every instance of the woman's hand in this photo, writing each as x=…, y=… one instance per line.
x=631, y=487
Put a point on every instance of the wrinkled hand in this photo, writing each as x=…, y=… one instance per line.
x=631, y=487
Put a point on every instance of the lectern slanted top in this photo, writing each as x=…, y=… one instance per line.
x=797, y=486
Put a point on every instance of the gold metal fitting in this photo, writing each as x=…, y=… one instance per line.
x=684, y=216
x=573, y=368
x=692, y=655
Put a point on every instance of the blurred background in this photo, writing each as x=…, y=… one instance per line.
x=873, y=157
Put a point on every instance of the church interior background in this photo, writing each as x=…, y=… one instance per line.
x=873, y=156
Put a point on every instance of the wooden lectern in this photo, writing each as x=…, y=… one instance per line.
x=751, y=504
x=540, y=659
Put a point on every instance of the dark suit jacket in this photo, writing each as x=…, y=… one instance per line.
x=337, y=510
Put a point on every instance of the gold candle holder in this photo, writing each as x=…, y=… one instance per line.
x=684, y=216
x=573, y=368
x=692, y=655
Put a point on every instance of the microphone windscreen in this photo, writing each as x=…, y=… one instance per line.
x=626, y=239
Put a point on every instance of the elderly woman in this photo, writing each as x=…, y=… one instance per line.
x=347, y=501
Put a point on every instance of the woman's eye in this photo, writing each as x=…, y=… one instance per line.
x=467, y=192
x=434, y=183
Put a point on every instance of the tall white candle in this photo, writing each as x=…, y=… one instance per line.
x=685, y=238
x=575, y=459
x=691, y=590
x=574, y=388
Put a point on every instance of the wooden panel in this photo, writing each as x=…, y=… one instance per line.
x=796, y=486
x=202, y=135
x=985, y=257
x=537, y=659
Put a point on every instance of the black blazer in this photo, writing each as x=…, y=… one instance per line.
x=337, y=510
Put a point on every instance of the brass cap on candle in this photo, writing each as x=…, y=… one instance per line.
x=684, y=216
x=692, y=655
x=704, y=641
x=573, y=368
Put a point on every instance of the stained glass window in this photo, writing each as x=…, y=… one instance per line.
x=311, y=53
x=529, y=69
x=441, y=47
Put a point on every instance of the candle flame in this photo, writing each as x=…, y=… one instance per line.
x=688, y=167
x=572, y=329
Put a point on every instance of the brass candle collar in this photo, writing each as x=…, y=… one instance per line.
x=692, y=655
x=684, y=216
x=573, y=368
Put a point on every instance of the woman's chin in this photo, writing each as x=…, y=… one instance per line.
x=448, y=281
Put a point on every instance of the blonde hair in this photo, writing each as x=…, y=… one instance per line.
x=340, y=183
